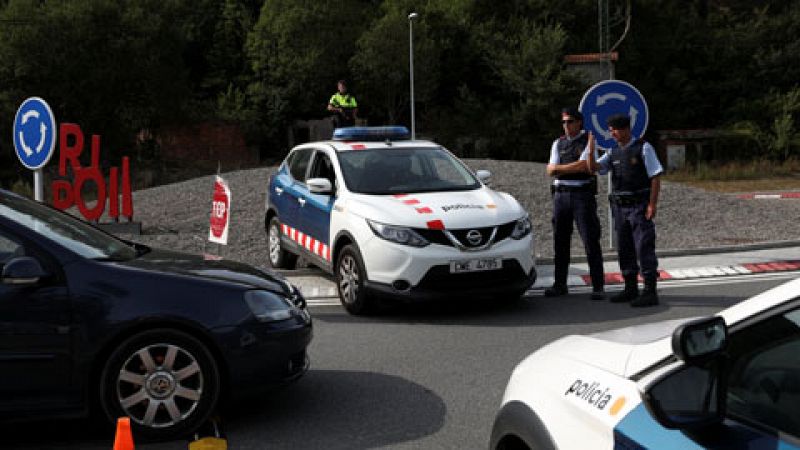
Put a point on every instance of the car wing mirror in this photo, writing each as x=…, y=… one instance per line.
x=22, y=270
x=701, y=340
x=485, y=176
x=693, y=396
x=319, y=186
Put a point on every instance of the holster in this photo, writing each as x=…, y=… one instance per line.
x=593, y=184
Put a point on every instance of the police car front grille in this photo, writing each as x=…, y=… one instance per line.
x=438, y=237
x=461, y=235
x=439, y=278
x=434, y=236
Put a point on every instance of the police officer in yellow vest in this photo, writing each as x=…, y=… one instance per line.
x=344, y=105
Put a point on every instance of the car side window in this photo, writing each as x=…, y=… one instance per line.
x=764, y=376
x=298, y=164
x=9, y=248
x=323, y=168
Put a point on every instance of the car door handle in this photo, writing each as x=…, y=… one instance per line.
x=302, y=201
x=278, y=190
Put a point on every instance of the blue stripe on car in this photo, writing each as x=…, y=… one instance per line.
x=639, y=430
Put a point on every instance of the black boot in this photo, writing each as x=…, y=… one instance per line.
x=649, y=295
x=556, y=290
x=630, y=293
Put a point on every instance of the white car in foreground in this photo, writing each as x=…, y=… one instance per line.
x=395, y=217
x=731, y=381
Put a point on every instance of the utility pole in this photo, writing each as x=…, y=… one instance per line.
x=604, y=26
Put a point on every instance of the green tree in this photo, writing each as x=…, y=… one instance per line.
x=296, y=52
x=111, y=69
x=381, y=62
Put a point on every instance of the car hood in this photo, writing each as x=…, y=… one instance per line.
x=458, y=209
x=209, y=267
x=623, y=352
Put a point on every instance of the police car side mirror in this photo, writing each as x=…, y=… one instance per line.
x=485, y=176
x=319, y=186
x=22, y=270
x=700, y=340
x=693, y=396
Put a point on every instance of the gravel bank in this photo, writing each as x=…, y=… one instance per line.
x=176, y=216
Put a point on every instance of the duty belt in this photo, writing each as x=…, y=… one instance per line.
x=629, y=198
x=566, y=188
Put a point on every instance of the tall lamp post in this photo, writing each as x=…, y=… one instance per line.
x=411, y=18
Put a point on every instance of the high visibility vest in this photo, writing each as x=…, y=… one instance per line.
x=343, y=101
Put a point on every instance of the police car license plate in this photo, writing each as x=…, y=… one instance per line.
x=476, y=265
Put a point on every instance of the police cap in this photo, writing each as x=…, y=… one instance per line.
x=572, y=112
x=619, y=121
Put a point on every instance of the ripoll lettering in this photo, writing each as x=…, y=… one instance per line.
x=590, y=392
x=66, y=194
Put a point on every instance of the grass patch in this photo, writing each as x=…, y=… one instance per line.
x=741, y=176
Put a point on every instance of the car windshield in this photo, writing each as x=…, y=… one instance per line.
x=404, y=170
x=65, y=230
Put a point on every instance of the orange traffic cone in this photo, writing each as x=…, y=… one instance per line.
x=124, y=438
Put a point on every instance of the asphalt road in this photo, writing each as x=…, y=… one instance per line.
x=426, y=377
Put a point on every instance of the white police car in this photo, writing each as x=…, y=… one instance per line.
x=394, y=217
x=729, y=382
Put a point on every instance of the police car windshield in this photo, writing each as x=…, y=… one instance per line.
x=404, y=170
x=65, y=229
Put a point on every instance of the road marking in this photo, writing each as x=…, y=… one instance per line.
x=669, y=284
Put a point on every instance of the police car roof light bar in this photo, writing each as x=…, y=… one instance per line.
x=394, y=133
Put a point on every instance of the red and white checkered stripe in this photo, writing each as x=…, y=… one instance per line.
x=435, y=224
x=309, y=243
x=689, y=273
x=769, y=196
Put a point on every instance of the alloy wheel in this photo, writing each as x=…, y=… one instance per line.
x=349, y=279
x=160, y=385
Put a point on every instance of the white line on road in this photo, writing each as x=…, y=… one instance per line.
x=664, y=284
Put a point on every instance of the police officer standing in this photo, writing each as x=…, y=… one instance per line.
x=635, y=171
x=574, y=190
x=344, y=105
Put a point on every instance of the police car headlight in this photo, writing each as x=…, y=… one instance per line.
x=269, y=307
x=522, y=228
x=400, y=235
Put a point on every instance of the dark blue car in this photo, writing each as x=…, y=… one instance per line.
x=87, y=319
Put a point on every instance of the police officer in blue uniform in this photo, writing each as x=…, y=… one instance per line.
x=574, y=190
x=635, y=171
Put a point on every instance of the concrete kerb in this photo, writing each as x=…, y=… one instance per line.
x=697, y=251
x=316, y=284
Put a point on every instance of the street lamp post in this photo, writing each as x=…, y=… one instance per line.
x=411, y=18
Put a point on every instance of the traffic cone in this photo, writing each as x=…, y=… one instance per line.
x=124, y=438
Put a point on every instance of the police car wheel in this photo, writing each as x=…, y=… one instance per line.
x=278, y=257
x=350, y=278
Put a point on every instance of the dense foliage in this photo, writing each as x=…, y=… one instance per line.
x=489, y=76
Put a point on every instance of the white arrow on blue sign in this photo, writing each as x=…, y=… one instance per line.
x=608, y=98
x=34, y=133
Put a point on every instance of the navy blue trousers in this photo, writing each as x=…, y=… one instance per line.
x=579, y=207
x=636, y=241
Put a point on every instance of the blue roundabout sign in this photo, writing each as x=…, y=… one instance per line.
x=34, y=133
x=610, y=97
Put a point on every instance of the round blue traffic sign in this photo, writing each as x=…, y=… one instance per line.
x=608, y=98
x=34, y=133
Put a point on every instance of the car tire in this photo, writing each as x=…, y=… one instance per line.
x=165, y=380
x=279, y=258
x=350, y=281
